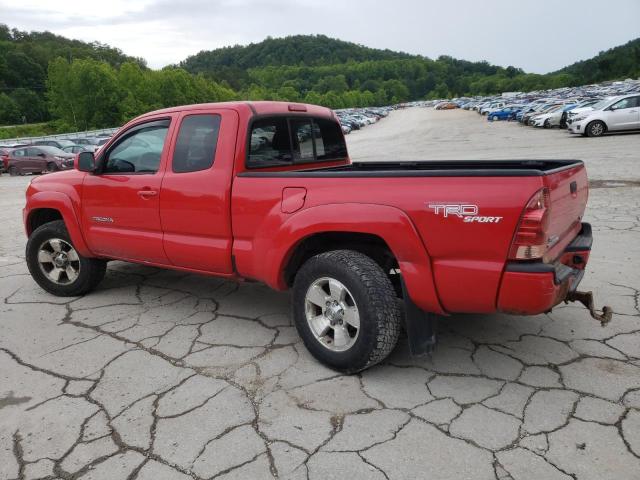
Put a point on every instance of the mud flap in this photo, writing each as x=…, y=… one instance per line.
x=586, y=298
x=421, y=327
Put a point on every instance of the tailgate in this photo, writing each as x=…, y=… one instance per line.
x=568, y=193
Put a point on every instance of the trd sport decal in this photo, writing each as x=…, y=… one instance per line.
x=468, y=212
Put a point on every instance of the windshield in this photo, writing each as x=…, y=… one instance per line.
x=601, y=103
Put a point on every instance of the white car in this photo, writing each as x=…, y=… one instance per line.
x=614, y=114
x=548, y=119
x=493, y=106
x=587, y=108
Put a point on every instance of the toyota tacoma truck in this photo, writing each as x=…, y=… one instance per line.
x=265, y=191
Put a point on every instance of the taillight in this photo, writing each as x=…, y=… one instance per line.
x=530, y=240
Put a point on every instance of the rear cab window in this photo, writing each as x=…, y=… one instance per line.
x=195, y=148
x=283, y=141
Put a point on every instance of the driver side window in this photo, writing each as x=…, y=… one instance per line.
x=139, y=150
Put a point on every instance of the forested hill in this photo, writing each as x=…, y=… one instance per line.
x=78, y=85
x=24, y=60
x=618, y=62
x=309, y=50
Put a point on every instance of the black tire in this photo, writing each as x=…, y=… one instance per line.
x=376, y=301
x=52, y=167
x=91, y=272
x=595, y=129
x=13, y=171
x=546, y=124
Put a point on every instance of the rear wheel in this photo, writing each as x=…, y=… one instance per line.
x=495, y=118
x=346, y=310
x=55, y=264
x=13, y=171
x=596, y=129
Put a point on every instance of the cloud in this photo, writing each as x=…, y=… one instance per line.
x=538, y=36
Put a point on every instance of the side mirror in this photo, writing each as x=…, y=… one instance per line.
x=86, y=162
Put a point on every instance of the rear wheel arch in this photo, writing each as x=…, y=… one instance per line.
x=371, y=245
x=387, y=226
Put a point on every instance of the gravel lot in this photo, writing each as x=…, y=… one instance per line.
x=162, y=375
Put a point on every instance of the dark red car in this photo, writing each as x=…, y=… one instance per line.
x=38, y=159
x=4, y=155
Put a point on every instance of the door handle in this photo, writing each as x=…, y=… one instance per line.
x=147, y=193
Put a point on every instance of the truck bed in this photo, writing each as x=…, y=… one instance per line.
x=439, y=168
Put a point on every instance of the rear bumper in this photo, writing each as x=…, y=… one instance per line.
x=536, y=287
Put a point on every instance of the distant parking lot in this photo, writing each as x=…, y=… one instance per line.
x=165, y=375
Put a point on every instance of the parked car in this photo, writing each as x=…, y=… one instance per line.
x=348, y=239
x=587, y=108
x=59, y=143
x=543, y=108
x=549, y=119
x=446, y=106
x=80, y=148
x=617, y=114
x=484, y=110
x=84, y=140
x=38, y=159
x=508, y=113
x=4, y=155
x=4, y=159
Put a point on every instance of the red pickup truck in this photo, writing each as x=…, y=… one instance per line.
x=266, y=191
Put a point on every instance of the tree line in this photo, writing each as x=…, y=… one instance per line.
x=74, y=85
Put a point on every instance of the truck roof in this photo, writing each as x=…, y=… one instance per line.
x=253, y=107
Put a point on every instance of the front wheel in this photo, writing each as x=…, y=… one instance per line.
x=596, y=129
x=13, y=171
x=495, y=118
x=52, y=167
x=345, y=310
x=546, y=124
x=55, y=264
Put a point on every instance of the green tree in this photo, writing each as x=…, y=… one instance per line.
x=31, y=106
x=85, y=93
x=9, y=111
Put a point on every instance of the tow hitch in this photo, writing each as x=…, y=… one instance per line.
x=586, y=298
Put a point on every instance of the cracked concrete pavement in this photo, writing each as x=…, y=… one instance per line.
x=164, y=375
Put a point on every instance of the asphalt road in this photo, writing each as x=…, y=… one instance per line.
x=162, y=375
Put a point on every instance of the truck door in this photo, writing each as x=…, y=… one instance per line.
x=120, y=202
x=195, y=200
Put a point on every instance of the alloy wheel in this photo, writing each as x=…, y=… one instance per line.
x=59, y=261
x=332, y=314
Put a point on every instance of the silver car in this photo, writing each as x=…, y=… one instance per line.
x=614, y=114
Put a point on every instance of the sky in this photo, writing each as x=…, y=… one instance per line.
x=538, y=36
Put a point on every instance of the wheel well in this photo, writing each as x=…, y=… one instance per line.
x=371, y=245
x=601, y=121
x=41, y=216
